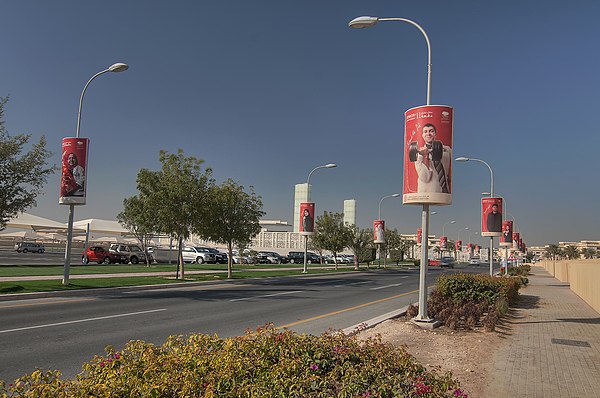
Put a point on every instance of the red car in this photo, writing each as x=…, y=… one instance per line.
x=102, y=256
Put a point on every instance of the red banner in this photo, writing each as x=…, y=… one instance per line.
x=378, y=231
x=458, y=245
x=516, y=240
x=507, y=233
x=491, y=216
x=443, y=243
x=419, y=235
x=307, y=218
x=73, y=171
x=428, y=155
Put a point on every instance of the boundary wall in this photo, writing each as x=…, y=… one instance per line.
x=582, y=275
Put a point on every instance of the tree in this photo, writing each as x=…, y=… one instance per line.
x=313, y=245
x=138, y=218
x=22, y=175
x=360, y=239
x=571, y=252
x=331, y=234
x=178, y=194
x=233, y=217
x=552, y=251
x=588, y=252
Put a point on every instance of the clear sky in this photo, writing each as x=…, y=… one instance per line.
x=264, y=91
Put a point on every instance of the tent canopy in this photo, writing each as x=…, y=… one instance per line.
x=36, y=223
x=103, y=226
x=23, y=235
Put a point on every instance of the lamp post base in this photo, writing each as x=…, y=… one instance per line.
x=428, y=323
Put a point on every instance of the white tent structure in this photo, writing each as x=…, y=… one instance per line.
x=36, y=223
x=23, y=235
x=97, y=225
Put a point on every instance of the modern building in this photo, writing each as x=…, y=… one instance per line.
x=350, y=212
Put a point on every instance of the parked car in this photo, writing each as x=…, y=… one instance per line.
x=132, y=253
x=340, y=259
x=447, y=262
x=474, y=261
x=103, y=256
x=220, y=257
x=198, y=255
x=236, y=258
x=271, y=258
x=25, y=247
x=298, y=258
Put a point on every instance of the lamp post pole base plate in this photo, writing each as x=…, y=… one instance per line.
x=428, y=324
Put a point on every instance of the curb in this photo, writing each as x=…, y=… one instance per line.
x=359, y=327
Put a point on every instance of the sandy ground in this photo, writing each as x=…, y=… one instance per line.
x=468, y=355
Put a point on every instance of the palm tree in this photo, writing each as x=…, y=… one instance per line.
x=552, y=251
x=571, y=252
x=588, y=253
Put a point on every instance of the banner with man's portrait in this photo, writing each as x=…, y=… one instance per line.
x=73, y=171
x=470, y=248
x=378, y=231
x=491, y=216
x=458, y=245
x=428, y=155
x=507, y=232
x=307, y=218
x=443, y=243
x=516, y=240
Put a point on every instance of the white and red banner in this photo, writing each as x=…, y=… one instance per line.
x=443, y=243
x=491, y=216
x=307, y=218
x=458, y=245
x=428, y=155
x=419, y=235
x=73, y=171
x=507, y=233
x=516, y=240
x=378, y=231
x=470, y=248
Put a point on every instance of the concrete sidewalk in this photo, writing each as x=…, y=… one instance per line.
x=553, y=346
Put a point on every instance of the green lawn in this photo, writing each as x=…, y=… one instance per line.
x=55, y=285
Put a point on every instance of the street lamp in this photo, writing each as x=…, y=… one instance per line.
x=118, y=67
x=325, y=166
x=394, y=195
x=465, y=159
x=444, y=226
x=365, y=22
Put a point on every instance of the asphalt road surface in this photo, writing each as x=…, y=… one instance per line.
x=63, y=332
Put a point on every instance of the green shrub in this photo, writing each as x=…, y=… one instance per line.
x=468, y=300
x=417, y=263
x=265, y=363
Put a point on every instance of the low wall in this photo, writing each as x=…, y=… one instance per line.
x=583, y=276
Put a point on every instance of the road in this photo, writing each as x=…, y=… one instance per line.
x=62, y=333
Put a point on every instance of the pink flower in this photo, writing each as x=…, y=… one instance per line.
x=117, y=356
x=314, y=366
x=102, y=364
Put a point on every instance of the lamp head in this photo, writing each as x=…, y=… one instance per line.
x=462, y=159
x=363, y=22
x=433, y=212
x=330, y=165
x=118, y=67
x=453, y=222
x=485, y=194
x=395, y=195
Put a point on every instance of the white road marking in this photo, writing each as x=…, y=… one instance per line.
x=325, y=282
x=383, y=287
x=354, y=284
x=82, y=320
x=267, y=295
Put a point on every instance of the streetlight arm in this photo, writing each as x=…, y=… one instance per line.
x=428, y=51
x=394, y=195
x=81, y=98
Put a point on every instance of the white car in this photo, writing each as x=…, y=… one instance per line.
x=474, y=261
x=198, y=255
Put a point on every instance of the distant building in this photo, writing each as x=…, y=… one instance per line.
x=350, y=212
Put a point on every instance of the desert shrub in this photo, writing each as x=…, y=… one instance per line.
x=265, y=363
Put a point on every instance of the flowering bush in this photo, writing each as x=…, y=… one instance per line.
x=264, y=363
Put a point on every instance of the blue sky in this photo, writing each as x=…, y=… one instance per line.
x=264, y=91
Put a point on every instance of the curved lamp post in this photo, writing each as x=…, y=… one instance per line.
x=325, y=166
x=465, y=159
x=118, y=67
x=366, y=22
x=394, y=195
